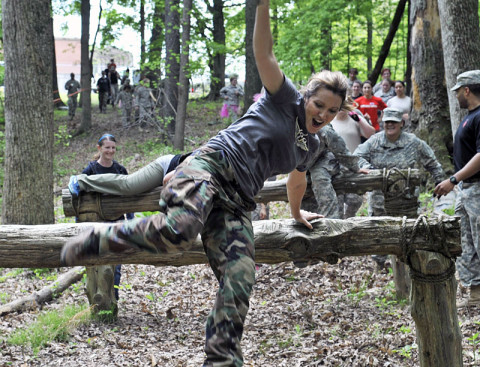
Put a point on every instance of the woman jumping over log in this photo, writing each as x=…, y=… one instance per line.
x=212, y=191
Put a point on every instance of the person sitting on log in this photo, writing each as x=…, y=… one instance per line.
x=394, y=148
x=212, y=190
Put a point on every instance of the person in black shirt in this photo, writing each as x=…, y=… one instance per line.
x=103, y=88
x=466, y=159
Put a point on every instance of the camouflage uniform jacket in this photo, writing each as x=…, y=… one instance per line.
x=233, y=94
x=142, y=97
x=407, y=152
x=333, y=145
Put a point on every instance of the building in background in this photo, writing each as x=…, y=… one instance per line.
x=68, y=52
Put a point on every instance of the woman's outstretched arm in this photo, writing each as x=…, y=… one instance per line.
x=267, y=65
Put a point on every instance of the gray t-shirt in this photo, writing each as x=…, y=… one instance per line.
x=266, y=141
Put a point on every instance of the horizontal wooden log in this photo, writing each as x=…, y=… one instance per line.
x=275, y=241
x=110, y=207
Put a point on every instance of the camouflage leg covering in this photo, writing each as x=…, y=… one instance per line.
x=186, y=202
x=376, y=209
x=353, y=202
x=228, y=242
x=327, y=202
x=468, y=207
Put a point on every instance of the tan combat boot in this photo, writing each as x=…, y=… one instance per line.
x=473, y=300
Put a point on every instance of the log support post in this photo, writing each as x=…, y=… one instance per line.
x=100, y=288
x=434, y=310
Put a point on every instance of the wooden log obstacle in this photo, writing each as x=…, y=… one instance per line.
x=427, y=245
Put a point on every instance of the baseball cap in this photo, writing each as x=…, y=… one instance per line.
x=467, y=78
x=392, y=114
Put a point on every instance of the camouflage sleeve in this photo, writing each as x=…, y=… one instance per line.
x=363, y=153
x=430, y=163
x=337, y=146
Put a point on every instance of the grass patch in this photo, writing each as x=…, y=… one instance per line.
x=51, y=326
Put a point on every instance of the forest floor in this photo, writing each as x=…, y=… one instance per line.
x=323, y=315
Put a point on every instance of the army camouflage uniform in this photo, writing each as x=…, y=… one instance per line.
x=407, y=151
x=233, y=94
x=72, y=86
x=126, y=98
x=332, y=159
x=468, y=207
x=144, y=102
x=202, y=197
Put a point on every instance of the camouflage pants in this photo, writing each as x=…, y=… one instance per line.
x=126, y=116
x=349, y=204
x=202, y=197
x=468, y=207
x=325, y=201
x=72, y=105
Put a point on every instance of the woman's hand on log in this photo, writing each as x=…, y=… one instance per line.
x=305, y=216
x=364, y=171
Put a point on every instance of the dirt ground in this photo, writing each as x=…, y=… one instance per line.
x=323, y=315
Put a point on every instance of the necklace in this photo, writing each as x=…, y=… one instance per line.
x=300, y=137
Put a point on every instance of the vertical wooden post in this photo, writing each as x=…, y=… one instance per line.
x=434, y=310
x=100, y=289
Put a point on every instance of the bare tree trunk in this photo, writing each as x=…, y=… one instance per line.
x=397, y=18
x=57, y=101
x=253, y=84
x=28, y=182
x=156, y=43
x=217, y=64
x=183, y=80
x=461, y=46
x=429, y=111
x=142, y=33
x=172, y=66
x=85, y=80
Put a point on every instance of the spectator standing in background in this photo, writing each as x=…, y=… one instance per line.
x=370, y=106
x=73, y=88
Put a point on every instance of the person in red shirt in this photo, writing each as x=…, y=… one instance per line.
x=370, y=105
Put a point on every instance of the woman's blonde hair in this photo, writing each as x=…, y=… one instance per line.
x=334, y=81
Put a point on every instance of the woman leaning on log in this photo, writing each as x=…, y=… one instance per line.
x=212, y=190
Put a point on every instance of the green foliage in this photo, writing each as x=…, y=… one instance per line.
x=334, y=35
x=50, y=326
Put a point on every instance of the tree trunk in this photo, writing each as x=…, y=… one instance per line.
x=253, y=84
x=397, y=18
x=111, y=207
x=429, y=111
x=461, y=46
x=57, y=101
x=85, y=80
x=28, y=181
x=183, y=80
x=156, y=43
x=172, y=65
x=275, y=241
x=217, y=64
x=142, y=33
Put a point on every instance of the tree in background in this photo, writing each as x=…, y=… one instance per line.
x=253, y=84
x=28, y=184
x=429, y=95
x=172, y=64
x=183, y=78
x=461, y=46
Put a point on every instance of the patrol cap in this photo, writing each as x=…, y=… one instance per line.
x=392, y=114
x=467, y=78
